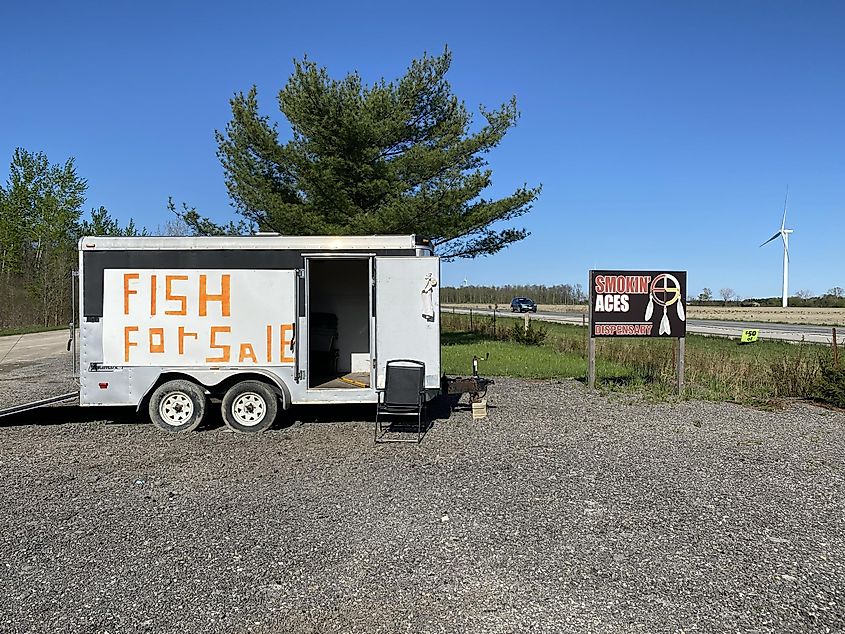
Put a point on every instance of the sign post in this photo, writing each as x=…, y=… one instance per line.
x=679, y=364
x=638, y=304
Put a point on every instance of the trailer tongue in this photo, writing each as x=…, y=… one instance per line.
x=39, y=369
x=476, y=386
x=36, y=404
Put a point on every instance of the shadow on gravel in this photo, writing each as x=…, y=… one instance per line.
x=439, y=408
x=619, y=381
x=62, y=414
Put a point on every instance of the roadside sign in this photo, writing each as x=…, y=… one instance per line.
x=749, y=335
x=638, y=304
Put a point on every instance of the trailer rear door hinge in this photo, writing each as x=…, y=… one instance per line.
x=300, y=273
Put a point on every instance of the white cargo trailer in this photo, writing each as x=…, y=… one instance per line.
x=260, y=322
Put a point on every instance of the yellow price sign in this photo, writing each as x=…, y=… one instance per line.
x=749, y=335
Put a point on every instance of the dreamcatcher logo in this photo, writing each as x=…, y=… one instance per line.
x=665, y=290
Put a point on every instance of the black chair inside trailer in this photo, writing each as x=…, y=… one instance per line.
x=403, y=396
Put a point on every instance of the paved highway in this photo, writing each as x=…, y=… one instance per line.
x=36, y=346
x=716, y=328
x=22, y=349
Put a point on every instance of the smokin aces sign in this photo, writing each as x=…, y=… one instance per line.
x=638, y=303
x=190, y=317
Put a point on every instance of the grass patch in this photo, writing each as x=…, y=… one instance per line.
x=508, y=358
x=25, y=330
x=716, y=368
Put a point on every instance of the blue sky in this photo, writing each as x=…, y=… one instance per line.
x=664, y=133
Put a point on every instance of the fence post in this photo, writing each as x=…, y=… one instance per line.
x=525, y=324
x=471, y=327
x=494, y=320
x=835, y=349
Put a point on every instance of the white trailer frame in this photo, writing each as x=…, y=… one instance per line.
x=402, y=311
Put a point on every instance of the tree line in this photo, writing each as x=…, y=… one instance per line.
x=833, y=298
x=41, y=222
x=502, y=295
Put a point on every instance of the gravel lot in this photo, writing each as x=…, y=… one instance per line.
x=563, y=511
x=33, y=380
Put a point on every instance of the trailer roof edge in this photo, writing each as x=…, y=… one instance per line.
x=328, y=243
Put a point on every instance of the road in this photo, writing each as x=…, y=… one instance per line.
x=712, y=327
x=36, y=346
x=35, y=368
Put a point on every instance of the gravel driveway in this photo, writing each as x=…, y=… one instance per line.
x=563, y=511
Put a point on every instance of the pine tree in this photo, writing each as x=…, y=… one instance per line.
x=389, y=158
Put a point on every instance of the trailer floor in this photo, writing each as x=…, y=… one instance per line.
x=350, y=380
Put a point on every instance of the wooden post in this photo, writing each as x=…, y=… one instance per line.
x=470, y=321
x=679, y=364
x=835, y=349
x=495, y=308
x=591, y=342
x=525, y=324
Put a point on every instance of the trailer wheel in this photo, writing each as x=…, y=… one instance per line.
x=250, y=407
x=177, y=406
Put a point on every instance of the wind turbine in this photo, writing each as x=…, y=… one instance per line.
x=783, y=232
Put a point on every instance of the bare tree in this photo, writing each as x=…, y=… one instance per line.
x=727, y=294
x=804, y=293
x=836, y=291
x=173, y=227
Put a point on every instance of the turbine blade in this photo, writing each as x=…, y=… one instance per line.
x=786, y=198
x=770, y=239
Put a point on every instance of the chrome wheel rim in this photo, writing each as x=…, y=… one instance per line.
x=176, y=409
x=249, y=409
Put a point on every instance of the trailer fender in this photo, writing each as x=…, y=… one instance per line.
x=218, y=381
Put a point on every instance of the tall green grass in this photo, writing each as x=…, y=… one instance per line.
x=716, y=368
x=513, y=359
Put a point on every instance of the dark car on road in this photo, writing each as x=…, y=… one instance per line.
x=523, y=305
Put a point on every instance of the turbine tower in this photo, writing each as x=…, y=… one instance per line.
x=783, y=232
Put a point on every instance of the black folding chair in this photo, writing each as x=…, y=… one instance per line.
x=403, y=395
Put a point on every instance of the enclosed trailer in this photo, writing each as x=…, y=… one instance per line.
x=261, y=322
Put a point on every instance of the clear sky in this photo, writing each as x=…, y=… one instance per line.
x=664, y=133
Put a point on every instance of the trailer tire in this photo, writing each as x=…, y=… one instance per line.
x=249, y=407
x=177, y=406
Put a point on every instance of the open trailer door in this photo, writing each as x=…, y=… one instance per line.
x=407, y=300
